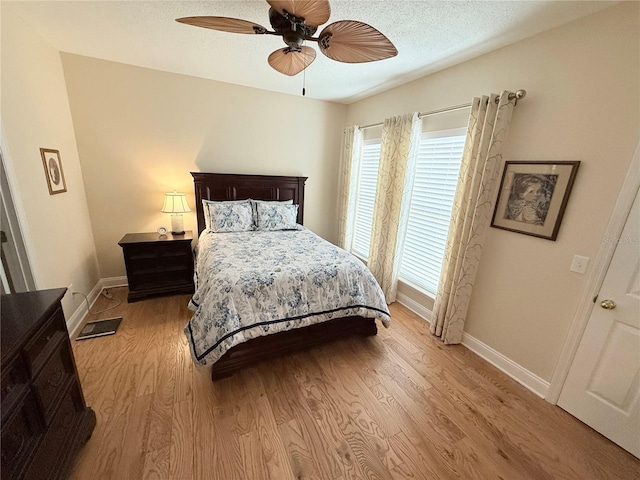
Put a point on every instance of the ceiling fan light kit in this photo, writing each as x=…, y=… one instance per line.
x=296, y=21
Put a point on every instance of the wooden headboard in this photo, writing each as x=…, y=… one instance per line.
x=228, y=186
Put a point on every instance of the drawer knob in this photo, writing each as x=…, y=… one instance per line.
x=12, y=447
x=56, y=378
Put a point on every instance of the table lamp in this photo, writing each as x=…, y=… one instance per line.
x=176, y=205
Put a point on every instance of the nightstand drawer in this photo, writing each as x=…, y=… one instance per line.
x=148, y=251
x=160, y=264
x=144, y=280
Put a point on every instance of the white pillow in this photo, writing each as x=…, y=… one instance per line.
x=276, y=216
x=230, y=217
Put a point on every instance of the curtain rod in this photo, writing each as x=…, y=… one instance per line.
x=520, y=94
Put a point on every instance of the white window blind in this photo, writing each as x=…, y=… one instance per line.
x=365, y=198
x=434, y=187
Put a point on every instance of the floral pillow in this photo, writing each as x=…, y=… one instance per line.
x=255, y=203
x=230, y=217
x=276, y=216
x=209, y=203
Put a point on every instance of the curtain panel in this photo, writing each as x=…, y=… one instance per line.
x=398, y=152
x=347, y=185
x=471, y=215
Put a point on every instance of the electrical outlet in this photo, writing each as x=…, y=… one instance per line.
x=579, y=264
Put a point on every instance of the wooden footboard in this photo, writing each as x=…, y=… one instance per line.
x=283, y=343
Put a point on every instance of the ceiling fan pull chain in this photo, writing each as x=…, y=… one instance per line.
x=304, y=76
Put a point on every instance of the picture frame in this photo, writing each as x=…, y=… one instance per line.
x=533, y=197
x=53, y=170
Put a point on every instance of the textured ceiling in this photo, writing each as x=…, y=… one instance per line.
x=429, y=35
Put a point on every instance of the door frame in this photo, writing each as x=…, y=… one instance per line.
x=11, y=201
x=596, y=277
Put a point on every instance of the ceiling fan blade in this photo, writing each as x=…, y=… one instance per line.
x=224, y=24
x=314, y=12
x=291, y=63
x=350, y=41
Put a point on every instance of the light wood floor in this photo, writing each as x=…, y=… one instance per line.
x=399, y=405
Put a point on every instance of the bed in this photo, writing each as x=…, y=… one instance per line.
x=247, y=310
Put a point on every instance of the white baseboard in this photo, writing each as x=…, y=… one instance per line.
x=520, y=374
x=414, y=306
x=76, y=319
x=113, y=282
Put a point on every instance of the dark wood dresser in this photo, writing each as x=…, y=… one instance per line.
x=158, y=264
x=45, y=420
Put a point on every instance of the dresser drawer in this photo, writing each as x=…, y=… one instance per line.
x=59, y=436
x=53, y=377
x=14, y=379
x=20, y=433
x=40, y=347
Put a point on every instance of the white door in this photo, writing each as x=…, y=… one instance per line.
x=603, y=385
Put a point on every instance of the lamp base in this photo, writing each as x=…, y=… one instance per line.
x=177, y=225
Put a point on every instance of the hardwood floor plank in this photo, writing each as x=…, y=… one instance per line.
x=339, y=450
x=157, y=464
x=301, y=456
x=161, y=408
x=361, y=431
x=271, y=443
x=418, y=461
x=134, y=440
x=183, y=389
x=400, y=405
x=254, y=464
x=182, y=442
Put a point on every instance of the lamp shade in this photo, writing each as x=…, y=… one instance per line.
x=175, y=203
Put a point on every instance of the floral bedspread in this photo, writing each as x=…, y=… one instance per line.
x=250, y=284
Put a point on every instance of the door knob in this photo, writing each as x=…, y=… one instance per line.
x=608, y=304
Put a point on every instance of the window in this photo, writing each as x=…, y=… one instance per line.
x=434, y=186
x=365, y=198
x=434, y=189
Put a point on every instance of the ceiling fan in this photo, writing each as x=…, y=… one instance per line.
x=296, y=21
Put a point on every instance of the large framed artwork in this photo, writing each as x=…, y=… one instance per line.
x=533, y=197
x=53, y=170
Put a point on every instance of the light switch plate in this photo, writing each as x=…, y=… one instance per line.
x=579, y=264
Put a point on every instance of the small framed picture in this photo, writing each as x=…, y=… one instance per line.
x=53, y=170
x=533, y=197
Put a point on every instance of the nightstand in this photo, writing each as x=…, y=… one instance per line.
x=158, y=264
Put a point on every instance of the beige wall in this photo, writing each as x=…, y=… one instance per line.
x=35, y=114
x=583, y=84
x=140, y=132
